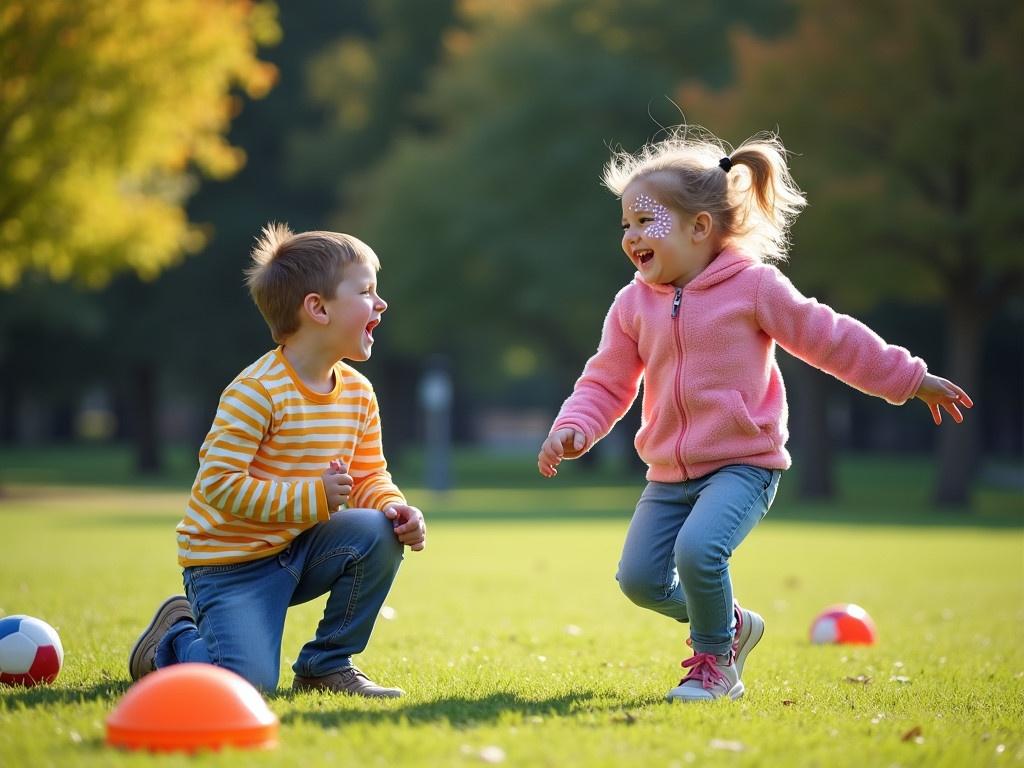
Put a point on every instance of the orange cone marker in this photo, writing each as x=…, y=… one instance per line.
x=188, y=707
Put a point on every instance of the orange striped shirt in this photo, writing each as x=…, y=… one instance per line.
x=259, y=484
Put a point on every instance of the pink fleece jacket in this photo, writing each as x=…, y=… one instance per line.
x=713, y=392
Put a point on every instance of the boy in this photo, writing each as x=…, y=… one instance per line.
x=296, y=437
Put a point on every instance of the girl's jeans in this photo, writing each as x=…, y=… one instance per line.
x=240, y=608
x=676, y=557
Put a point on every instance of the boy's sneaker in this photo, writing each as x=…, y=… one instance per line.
x=709, y=677
x=749, y=631
x=142, y=659
x=348, y=680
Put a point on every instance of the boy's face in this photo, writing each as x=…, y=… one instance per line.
x=355, y=310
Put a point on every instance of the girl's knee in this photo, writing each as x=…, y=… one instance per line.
x=639, y=588
x=695, y=562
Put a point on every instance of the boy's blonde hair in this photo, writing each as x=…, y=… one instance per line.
x=287, y=267
x=751, y=196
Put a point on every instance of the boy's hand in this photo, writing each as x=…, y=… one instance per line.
x=936, y=391
x=566, y=443
x=337, y=484
x=410, y=527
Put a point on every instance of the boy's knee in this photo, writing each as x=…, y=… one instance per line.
x=261, y=676
x=373, y=530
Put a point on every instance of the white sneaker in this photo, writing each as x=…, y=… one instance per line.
x=709, y=677
x=749, y=631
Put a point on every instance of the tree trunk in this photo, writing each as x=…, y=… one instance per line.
x=8, y=410
x=816, y=475
x=958, y=443
x=146, y=428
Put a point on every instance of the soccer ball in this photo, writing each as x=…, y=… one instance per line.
x=844, y=624
x=30, y=651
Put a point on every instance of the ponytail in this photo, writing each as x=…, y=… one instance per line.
x=749, y=192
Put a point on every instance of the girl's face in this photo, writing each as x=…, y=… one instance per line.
x=355, y=310
x=664, y=246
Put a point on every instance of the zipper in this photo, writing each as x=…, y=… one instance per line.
x=676, y=390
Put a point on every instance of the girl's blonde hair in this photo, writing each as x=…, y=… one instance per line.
x=750, y=194
x=286, y=267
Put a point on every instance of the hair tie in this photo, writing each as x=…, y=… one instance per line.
x=725, y=164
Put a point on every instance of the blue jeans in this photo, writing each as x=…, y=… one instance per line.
x=676, y=557
x=240, y=608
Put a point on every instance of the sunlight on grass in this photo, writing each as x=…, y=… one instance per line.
x=515, y=644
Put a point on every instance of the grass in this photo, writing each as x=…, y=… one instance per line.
x=516, y=646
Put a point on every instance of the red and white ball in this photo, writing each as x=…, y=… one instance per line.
x=844, y=624
x=30, y=651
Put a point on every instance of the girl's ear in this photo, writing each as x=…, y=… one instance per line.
x=701, y=229
x=314, y=308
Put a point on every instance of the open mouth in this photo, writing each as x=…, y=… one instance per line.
x=644, y=256
x=370, y=326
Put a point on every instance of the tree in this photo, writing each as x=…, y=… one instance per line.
x=106, y=107
x=364, y=82
x=492, y=238
x=108, y=110
x=902, y=120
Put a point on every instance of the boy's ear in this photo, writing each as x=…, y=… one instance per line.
x=314, y=308
x=701, y=229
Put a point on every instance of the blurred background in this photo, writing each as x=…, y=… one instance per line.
x=143, y=143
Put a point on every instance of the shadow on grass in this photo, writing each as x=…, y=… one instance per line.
x=51, y=695
x=462, y=712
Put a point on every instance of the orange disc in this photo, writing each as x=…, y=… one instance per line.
x=189, y=707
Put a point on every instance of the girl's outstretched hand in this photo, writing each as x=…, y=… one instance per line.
x=561, y=444
x=937, y=392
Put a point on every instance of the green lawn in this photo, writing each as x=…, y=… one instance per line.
x=516, y=646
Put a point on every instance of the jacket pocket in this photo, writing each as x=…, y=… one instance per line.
x=643, y=435
x=741, y=415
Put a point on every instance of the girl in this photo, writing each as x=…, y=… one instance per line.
x=699, y=324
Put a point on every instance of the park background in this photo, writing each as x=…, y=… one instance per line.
x=144, y=143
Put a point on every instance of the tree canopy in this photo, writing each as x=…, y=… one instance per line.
x=107, y=108
x=490, y=210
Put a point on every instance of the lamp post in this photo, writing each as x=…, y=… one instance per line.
x=435, y=395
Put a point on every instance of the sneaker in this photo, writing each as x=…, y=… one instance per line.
x=347, y=680
x=709, y=677
x=749, y=631
x=142, y=659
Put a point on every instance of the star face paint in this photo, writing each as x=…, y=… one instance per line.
x=661, y=227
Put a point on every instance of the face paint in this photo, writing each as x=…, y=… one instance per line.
x=662, y=224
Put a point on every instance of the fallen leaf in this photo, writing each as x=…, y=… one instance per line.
x=862, y=679
x=788, y=702
x=913, y=734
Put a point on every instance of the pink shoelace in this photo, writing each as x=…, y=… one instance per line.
x=703, y=667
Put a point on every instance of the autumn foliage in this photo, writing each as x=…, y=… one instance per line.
x=108, y=109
